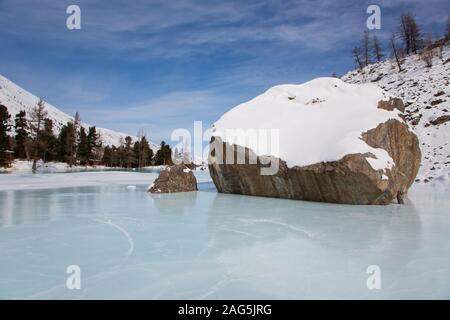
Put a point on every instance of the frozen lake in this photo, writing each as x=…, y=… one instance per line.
x=129, y=244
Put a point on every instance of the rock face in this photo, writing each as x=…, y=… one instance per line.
x=176, y=178
x=351, y=179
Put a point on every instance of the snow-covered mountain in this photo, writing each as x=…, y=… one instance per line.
x=16, y=99
x=426, y=94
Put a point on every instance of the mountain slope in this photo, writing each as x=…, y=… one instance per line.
x=425, y=92
x=16, y=99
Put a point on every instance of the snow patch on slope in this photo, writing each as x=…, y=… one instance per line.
x=426, y=94
x=320, y=120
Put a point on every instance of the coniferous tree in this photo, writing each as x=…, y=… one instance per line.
x=38, y=115
x=137, y=163
x=21, y=136
x=94, y=144
x=143, y=154
x=48, y=142
x=66, y=144
x=83, y=146
x=73, y=139
x=117, y=156
x=61, y=148
x=147, y=152
x=128, y=152
x=5, y=128
x=108, y=157
x=164, y=155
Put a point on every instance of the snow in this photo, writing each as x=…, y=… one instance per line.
x=17, y=99
x=320, y=120
x=419, y=86
x=187, y=170
x=205, y=245
x=25, y=166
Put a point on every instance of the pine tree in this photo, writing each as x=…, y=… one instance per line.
x=38, y=115
x=137, y=163
x=115, y=157
x=163, y=155
x=21, y=137
x=94, y=144
x=5, y=127
x=66, y=144
x=128, y=152
x=83, y=147
x=108, y=157
x=61, y=146
x=376, y=49
x=47, y=142
x=147, y=152
x=142, y=153
x=72, y=140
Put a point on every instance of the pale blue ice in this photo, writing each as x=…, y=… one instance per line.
x=130, y=244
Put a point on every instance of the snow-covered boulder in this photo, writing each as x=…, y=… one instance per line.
x=176, y=178
x=328, y=140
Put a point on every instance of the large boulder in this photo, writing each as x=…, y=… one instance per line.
x=176, y=178
x=337, y=143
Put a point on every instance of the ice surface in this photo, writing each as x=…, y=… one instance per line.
x=131, y=244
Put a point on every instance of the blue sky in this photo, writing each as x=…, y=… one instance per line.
x=160, y=65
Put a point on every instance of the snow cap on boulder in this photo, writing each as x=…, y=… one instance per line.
x=335, y=142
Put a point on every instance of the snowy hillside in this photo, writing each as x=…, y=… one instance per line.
x=16, y=99
x=426, y=94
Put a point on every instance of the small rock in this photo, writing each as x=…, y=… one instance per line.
x=176, y=178
x=391, y=104
x=436, y=102
x=440, y=120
